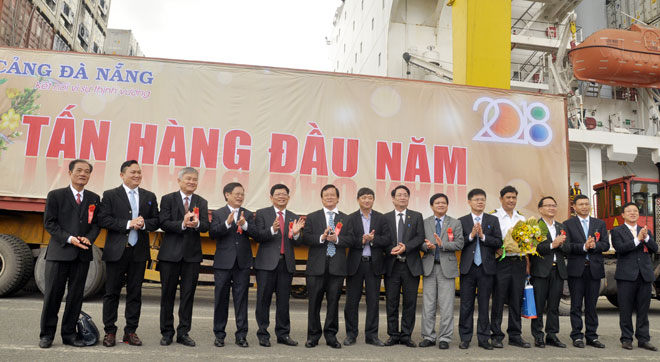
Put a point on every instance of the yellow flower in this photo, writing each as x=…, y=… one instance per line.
x=12, y=92
x=10, y=119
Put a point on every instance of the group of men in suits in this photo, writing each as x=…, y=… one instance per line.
x=361, y=247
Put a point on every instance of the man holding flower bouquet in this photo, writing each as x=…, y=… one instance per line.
x=548, y=271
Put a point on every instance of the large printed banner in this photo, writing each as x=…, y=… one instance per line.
x=261, y=126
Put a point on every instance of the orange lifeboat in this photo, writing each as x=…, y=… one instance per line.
x=626, y=58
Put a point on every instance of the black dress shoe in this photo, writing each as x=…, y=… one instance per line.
x=464, y=345
x=426, y=343
x=626, y=345
x=264, y=342
x=375, y=342
x=185, y=340
x=647, y=345
x=349, y=341
x=219, y=342
x=334, y=344
x=310, y=344
x=166, y=341
x=486, y=345
x=242, y=342
x=519, y=342
x=408, y=343
x=539, y=343
x=392, y=341
x=287, y=341
x=497, y=344
x=595, y=343
x=443, y=345
x=73, y=342
x=554, y=342
x=578, y=343
x=45, y=342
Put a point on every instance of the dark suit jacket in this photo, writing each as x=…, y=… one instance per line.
x=493, y=241
x=314, y=227
x=231, y=246
x=575, y=242
x=378, y=244
x=413, y=238
x=115, y=214
x=181, y=244
x=631, y=259
x=268, y=254
x=63, y=218
x=542, y=265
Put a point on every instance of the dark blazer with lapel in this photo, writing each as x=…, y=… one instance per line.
x=63, y=217
x=378, y=244
x=268, y=254
x=231, y=246
x=181, y=244
x=542, y=265
x=413, y=238
x=493, y=241
x=573, y=247
x=631, y=259
x=314, y=227
x=115, y=214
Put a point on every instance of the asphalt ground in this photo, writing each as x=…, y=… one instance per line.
x=20, y=314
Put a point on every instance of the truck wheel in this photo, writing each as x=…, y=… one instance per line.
x=613, y=298
x=95, y=275
x=15, y=264
x=565, y=301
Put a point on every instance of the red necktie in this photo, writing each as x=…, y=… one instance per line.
x=78, y=200
x=280, y=218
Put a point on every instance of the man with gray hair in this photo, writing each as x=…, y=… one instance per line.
x=183, y=216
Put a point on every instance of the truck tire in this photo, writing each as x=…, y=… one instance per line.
x=565, y=301
x=16, y=264
x=95, y=275
x=614, y=299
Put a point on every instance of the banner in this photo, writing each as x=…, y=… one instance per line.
x=260, y=126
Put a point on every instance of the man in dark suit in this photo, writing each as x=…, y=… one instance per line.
x=128, y=213
x=482, y=237
x=183, y=216
x=231, y=227
x=634, y=276
x=403, y=266
x=326, y=265
x=278, y=230
x=586, y=241
x=70, y=219
x=365, y=266
x=548, y=272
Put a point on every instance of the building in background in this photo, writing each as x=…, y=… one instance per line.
x=122, y=42
x=65, y=25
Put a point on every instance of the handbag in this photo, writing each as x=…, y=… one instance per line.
x=86, y=330
x=529, y=303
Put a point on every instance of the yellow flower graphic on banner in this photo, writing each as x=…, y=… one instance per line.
x=10, y=120
x=12, y=93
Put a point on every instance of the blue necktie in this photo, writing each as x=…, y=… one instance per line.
x=133, y=234
x=438, y=230
x=332, y=249
x=477, y=251
x=585, y=228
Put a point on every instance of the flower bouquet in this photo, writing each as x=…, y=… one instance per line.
x=523, y=238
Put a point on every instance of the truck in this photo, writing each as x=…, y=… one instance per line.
x=258, y=126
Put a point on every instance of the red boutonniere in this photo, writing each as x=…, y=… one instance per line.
x=597, y=236
x=90, y=213
x=563, y=232
x=450, y=234
x=196, y=212
x=290, y=229
x=338, y=227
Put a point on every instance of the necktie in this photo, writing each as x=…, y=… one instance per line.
x=438, y=230
x=78, y=199
x=133, y=234
x=477, y=251
x=280, y=218
x=400, y=229
x=186, y=204
x=585, y=228
x=332, y=249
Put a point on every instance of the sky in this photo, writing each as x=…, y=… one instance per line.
x=285, y=33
